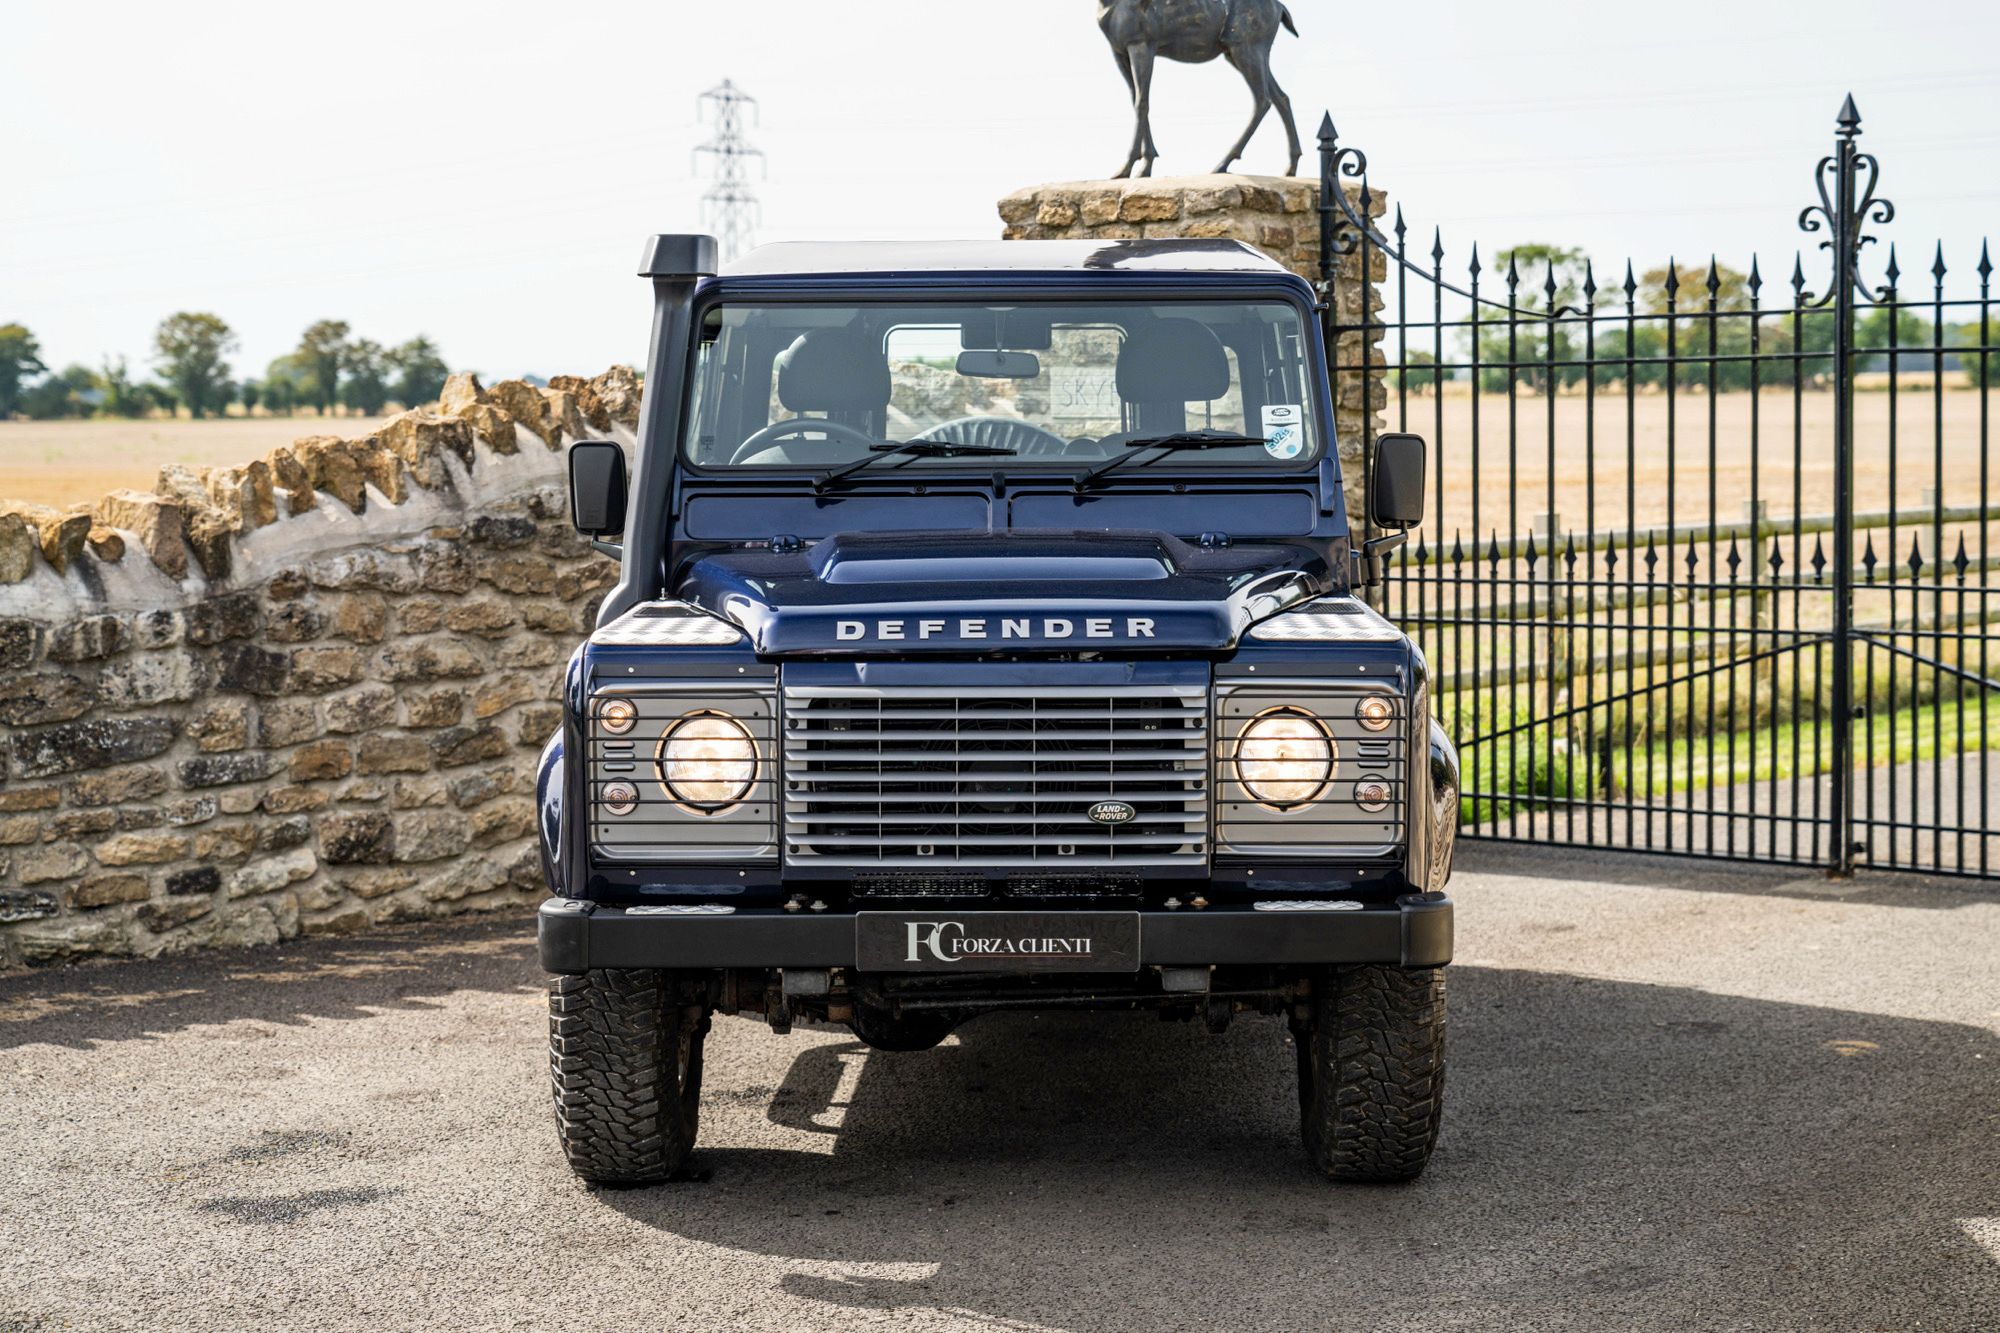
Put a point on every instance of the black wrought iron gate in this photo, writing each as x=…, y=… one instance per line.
x=1706, y=572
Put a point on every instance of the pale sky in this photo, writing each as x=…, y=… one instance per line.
x=485, y=173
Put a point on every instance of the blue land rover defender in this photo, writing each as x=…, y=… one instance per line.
x=988, y=638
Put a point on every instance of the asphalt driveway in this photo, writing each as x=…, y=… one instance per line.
x=1680, y=1097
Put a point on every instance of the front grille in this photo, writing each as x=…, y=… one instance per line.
x=926, y=778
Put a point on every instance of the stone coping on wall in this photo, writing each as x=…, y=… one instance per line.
x=1277, y=214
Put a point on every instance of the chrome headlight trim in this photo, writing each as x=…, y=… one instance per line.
x=659, y=827
x=1335, y=826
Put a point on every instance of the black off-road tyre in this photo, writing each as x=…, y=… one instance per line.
x=625, y=1062
x=1371, y=1071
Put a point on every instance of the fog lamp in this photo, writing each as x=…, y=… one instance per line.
x=1285, y=758
x=707, y=762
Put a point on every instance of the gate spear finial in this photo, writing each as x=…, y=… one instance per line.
x=1850, y=117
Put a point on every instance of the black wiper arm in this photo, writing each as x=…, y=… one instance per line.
x=909, y=449
x=1167, y=444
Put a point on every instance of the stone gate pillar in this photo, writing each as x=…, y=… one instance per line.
x=1278, y=215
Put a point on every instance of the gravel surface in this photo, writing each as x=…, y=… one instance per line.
x=1681, y=1097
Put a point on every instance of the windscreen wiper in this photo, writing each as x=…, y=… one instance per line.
x=909, y=449
x=1167, y=444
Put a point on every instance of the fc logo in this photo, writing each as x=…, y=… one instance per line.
x=929, y=936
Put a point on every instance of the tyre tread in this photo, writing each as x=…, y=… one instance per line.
x=614, y=1071
x=1371, y=1070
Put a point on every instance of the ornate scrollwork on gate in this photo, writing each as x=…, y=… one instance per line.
x=1846, y=210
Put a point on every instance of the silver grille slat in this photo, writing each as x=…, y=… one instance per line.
x=909, y=778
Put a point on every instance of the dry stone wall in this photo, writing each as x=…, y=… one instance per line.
x=1277, y=214
x=302, y=695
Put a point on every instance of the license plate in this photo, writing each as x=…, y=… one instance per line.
x=996, y=941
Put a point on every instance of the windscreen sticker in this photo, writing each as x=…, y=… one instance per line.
x=1284, y=433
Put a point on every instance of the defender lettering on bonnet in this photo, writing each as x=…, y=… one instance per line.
x=998, y=627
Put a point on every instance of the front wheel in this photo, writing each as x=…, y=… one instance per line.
x=625, y=1063
x=1371, y=1071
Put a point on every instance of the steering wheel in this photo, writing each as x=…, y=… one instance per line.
x=1023, y=437
x=784, y=430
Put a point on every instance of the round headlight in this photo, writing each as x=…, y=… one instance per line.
x=1375, y=712
x=617, y=716
x=1285, y=758
x=707, y=762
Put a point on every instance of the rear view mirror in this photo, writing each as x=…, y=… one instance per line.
x=1396, y=497
x=985, y=365
x=597, y=488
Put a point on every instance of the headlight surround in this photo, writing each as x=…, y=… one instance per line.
x=707, y=762
x=1285, y=757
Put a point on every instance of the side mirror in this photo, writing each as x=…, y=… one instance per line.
x=597, y=488
x=1396, y=495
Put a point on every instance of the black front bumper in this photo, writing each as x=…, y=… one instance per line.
x=577, y=935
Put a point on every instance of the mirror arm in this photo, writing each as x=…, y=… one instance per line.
x=616, y=550
x=1371, y=552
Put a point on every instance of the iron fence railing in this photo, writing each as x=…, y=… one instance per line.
x=1705, y=572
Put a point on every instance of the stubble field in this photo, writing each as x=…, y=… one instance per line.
x=63, y=463
x=1651, y=465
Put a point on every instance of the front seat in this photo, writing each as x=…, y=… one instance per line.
x=840, y=372
x=1165, y=365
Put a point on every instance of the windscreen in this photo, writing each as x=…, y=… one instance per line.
x=1057, y=384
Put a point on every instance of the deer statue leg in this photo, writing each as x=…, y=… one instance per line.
x=1254, y=66
x=1141, y=56
x=1138, y=117
x=1284, y=105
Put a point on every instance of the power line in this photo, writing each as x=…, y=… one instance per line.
x=729, y=206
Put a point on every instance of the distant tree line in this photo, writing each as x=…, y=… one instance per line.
x=329, y=372
x=1669, y=333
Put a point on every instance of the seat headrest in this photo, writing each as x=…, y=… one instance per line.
x=833, y=370
x=1172, y=360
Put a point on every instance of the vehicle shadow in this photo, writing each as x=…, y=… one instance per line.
x=346, y=978
x=1614, y=1154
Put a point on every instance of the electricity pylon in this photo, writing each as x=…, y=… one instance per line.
x=729, y=206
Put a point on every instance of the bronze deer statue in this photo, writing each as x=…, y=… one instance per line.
x=1197, y=31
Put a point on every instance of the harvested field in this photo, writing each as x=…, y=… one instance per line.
x=74, y=462
x=1671, y=438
